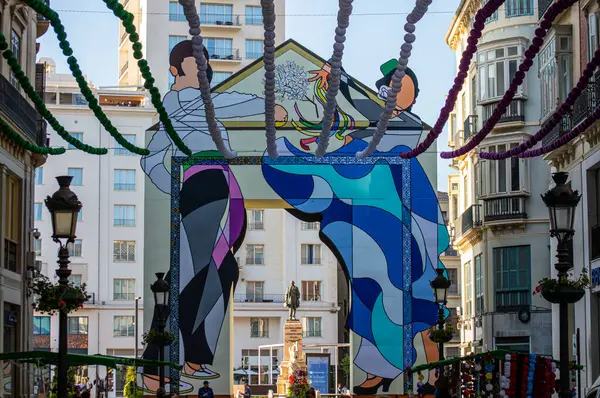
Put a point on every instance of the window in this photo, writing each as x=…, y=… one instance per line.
x=255, y=254
x=453, y=277
x=513, y=279
x=37, y=247
x=255, y=291
x=124, y=326
x=311, y=291
x=124, y=180
x=519, y=344
x=124, y=289
x=478, y=286
x=455, y=186
x=75, y=279
x=219, y=48
x=15, y=47
x=219, y=77
x=505, y=175
x=453, y=320
x=254, y=15
x=452, y=352
x=518, y=8
x=77, y=325
x=77, y=174
x=77, y=136
x=455, y=207
x=555, y=65
x=256, y=220
x=124, y=216
x=259, y=327
x=119, y=149
x=12, y=223
x=496, y=70
x=477, y=181
x=176, y=11
x=466, y=191
x=453, y=126
x=41, y=325
x=468, y=290
x=124, y=251
x=37, y=208
x=311, y=327
x=216, y=14
x=309, y=226
x=80, y=215
x=311, y=254
x=75, y=248
x=39, y=176
x=592, y=35
x=254, y=48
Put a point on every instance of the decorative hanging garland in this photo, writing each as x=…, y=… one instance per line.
x=189, y=9
x=41, y=8
x=482, y=15
x=23, y=143
x=556, y=117
x=155, y=97
x=540, y=33
x=39, y=103
x=343, y=21
x=268, y=11
x=421, y=7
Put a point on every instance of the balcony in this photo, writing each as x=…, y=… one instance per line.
x=595, y=243
x=470, y=219
x=312, y=333
x=586, y=104
x=470, y=127
x=562, y=128
x=224, y=54
x=221, y=20
x=310, y=261
x=124, y=187
x=543, y=6
x=124, y=222
x=42, y=23
x=254, y=261
x=258, y=298
x=515, y=113
x=512, y=300
x=256, y=226
x=259, y=334
x=16, y=109
x=505, y=208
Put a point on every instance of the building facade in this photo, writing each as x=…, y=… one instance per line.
x=278, y=249
x=500, y=224
x=232, y=30
x=108, y=253
x=21, y=27
x=577, y=28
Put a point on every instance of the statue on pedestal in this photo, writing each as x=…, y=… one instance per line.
x=292, y=300
x=293, y=364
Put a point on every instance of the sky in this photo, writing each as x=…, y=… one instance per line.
x=374, y=37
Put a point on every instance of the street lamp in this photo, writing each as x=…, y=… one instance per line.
x=440, y=285
x=64, y=207
x=160, y=289
x=562, y=202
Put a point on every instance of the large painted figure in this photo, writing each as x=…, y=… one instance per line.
x=380, y=215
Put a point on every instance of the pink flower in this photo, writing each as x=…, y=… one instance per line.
x=62, y=303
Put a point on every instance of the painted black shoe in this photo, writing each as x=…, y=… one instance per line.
x=384, y=382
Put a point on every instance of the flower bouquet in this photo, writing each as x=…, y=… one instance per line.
x=50, y=298
x=154, y=337
x=298, y=384
x=441, y=335
x=564, y=289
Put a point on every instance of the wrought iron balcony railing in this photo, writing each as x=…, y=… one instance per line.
x=514, y=113
x=512, y=300
x=470, y=127
x=505, y=208
x=471, y=218
x=258, y=298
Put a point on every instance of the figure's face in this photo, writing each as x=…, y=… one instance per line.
x=406, y=96
x=190, y=77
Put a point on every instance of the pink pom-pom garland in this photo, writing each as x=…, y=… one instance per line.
x=553, y=11
x=554, y=119
x=482, y=15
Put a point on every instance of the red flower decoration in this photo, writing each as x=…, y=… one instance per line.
x=62, y=303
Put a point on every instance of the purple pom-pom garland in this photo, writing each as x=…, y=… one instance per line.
x=343, y=18
x=556, y=8
x=482, y=15
x=554, y=119
x=268, y=11
x=189, y=9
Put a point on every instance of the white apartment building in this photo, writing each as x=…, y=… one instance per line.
x=278, y=248
x=500, y=223
x=108, y=253
x=232, y=30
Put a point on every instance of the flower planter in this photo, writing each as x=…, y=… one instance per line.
x=563, y=293
x=440, y=336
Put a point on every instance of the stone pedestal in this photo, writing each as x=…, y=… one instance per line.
x=292, y=334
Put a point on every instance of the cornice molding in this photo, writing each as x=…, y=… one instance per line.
x=462, y=22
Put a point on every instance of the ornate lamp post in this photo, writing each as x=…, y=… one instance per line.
x=440, y=285
x=562, y=202
x=160, y=289
x=64, y=208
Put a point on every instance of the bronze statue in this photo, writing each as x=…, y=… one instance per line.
x=292, y=300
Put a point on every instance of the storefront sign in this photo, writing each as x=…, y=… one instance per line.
x=318, y=372
x=596, y=277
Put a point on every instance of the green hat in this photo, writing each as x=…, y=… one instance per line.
x=389, y=67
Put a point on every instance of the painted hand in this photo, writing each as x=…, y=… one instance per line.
x=321, y=76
